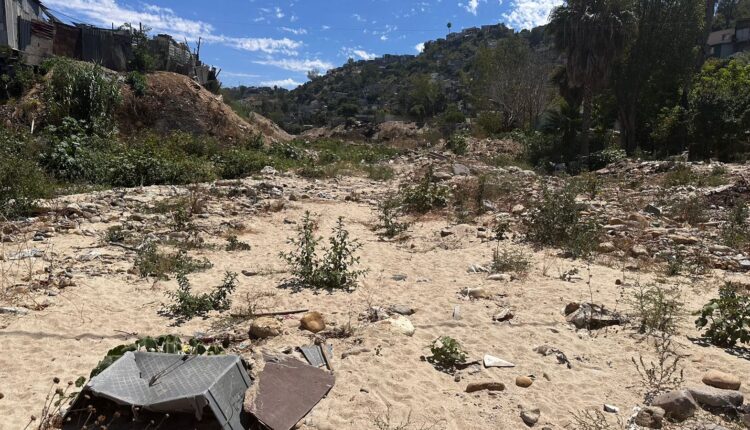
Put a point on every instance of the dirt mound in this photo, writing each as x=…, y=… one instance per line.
x=396, y=133
x=177, y=103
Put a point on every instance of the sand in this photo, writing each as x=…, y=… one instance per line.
x=391, y=381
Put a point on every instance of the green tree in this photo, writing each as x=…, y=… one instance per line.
x=657, y=65
x=592, y=34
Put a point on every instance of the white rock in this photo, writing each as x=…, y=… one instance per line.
x=491, y=361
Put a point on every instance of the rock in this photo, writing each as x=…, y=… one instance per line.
x=402, y=310
x=399, y=278
x=402, y=324
x=639, y=251
x=442, y=175
x=446, y=232
x=653, y=210
x=482, y=386
x=13, y=310
x=524, y=381
x=476, y=268
x=611, y=409
x=491, y=361
x=530, y=416
x=593, y=317
x=505, y=314
x=461, y=170
x=268, y=170
x=265, y=327
x=517, y=209
x=715, y=397
x=650, y=417
x=678, y=405
x=477, y=293
x=683, y=240
x=312, y=321
x=718, y=379
x=500, y=277
x=606, y=247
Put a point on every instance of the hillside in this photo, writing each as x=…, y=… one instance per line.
x=386, y=88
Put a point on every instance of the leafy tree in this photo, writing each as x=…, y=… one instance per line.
x=426, y=97
x=720, y=110
x=592, y=34
x=656, y=66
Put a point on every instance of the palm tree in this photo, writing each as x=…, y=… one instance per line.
x=592, y=34
x=450, y=25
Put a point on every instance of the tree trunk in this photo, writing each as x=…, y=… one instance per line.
x=627, y=119
x=586, y=122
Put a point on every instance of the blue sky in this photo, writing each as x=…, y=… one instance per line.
x=260, y=42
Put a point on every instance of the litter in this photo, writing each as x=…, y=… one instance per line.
x=313, y=354
x=179, y=386
x=286, y=390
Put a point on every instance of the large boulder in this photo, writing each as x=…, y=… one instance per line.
x=678, y=405
x=718, y=379
x=716, y=398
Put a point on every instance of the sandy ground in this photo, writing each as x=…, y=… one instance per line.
x=69, y=337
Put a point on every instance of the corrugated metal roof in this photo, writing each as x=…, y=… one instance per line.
x=719, y=37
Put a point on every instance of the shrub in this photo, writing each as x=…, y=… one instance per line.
x=556, y=221
x=727, y=317
x=334, y=270
x=691, y=210
x=83, y=91
x=736, y=233
x=510, y=261
x=22, y=183
x=138, y=83
x=657, y=309
x=188, y=305
x=389, y=211
x=17, y=83
x=457, y=143
x=234, y=244
x=380, y=173
x=151, y=262
x=425, y=196
x=446, y=354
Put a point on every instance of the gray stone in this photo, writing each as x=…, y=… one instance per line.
x=678, y=405
x=653, y=210
x=530, y=416
x=719, y=379
x=13, y=310
x=402, y=310
x=461, y=170
x=593, y=317
x=715, y=397
x=650, y=417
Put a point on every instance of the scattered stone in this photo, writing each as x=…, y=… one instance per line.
x=461, y=170
x=265, y=327
x=524, y=381
x=653, y=210
x=678, y=405
x=477, y=293
x=719, y=379
x=456, y=312
x=268, y=170
x=312, y=321
x=398, y=278
x=606, y=247
x=639, y=251
x=482, y=386
x=402, y=324
x=593, y=317
x=491, y=361
x=716, y=397
x=355, y=351
x=530, y=416
x=13, y=310
x=683, y=240
x=446, y=232
x=650, y=417
x=505, y=314
x=500, y=277
x=402, y=310
x=611, y=409
x=517, y=209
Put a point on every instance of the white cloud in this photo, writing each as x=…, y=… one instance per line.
x=295, y=31
x=165, y=20
x=471, y=6
x=239, y=75
x=419, y=47
x=358, y=53
x=530, y=13
x=296, y=65
x=286, y=83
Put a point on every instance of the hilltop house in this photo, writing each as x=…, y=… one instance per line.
x=725, y=43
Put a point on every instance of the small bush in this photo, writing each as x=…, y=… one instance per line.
x=736, y=232
x=380, y=173
x=726, y=318
x=657, y=309
x=446, y=354
x=234, y=244
x=389, y=211
x=188, y=305
x=138, y=83
x=425, y=196
x=684, y=175
x=22, y=184
x=457, y=143
x=691, y=210
x=507, y=260
x=334, y=270
x=151, y=262
x=556, y=221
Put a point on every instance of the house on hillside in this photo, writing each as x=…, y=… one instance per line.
x=725, y=43
x=25, y=28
